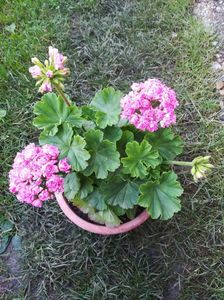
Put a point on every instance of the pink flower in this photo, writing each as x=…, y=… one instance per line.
x=51, y=151
x=35, y=71
x=44, y=195
x=49, y=74
x=56, y=58
x=34, y=178
x=49, y=169
x=149, y=105
x=30, y=151
x=37, y=203
x=45, y=87
x=64, y=166
x=55, y=184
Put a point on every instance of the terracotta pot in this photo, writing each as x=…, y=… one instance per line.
x=95, y=228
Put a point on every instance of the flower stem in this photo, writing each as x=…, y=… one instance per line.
x=180, y=163
x=62, y=94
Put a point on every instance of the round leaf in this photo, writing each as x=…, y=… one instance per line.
x=120, y=192
x=107, y=105
x=104, y=156
x=139, y=158
x=161, y=197
x=164, y=141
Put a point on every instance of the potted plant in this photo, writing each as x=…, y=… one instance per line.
x=108, y=163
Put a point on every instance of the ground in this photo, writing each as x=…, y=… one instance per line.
x=114, y=43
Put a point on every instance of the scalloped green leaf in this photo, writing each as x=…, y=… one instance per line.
x=96, y=199
x=160, y=198
x=77, y=154
x=52, y=111
x=107, y=217
x=107, y=105
x=165, y=142
x=71, y=147
x=112, y=133
x=121, y=192
x=71, y=185
x=62, y=139
x=86, y=186
x=127, y=136
x=139, y=158
x=104, y=157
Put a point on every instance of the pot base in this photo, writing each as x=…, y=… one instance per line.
x=95, y=228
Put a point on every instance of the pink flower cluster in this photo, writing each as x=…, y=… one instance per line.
x=45, y=73
x=35, y=175
x=149, y=105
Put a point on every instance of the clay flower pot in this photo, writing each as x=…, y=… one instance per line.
x=95, y=228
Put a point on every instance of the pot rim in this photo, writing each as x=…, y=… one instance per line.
x=95, y=228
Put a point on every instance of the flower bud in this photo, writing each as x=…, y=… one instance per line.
x=36, y=61
x=201, y=167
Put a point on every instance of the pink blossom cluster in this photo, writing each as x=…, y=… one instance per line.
x=36, y=174
x=149, y=105
x=55, y=66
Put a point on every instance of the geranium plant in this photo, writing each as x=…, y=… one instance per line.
x=111, y=158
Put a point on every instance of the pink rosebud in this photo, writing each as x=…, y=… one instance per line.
x=64, y=166
x=37, y=203
x=30, y=151
x=35, y=71
x=49, y=169
x=55, y=184
x=49, y=74
x=44, y=195
x=45, y=87
x=56, y=59
x=51, y=151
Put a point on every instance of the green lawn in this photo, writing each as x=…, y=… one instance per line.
x=115, y=43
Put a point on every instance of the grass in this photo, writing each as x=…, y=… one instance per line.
x=115, y=43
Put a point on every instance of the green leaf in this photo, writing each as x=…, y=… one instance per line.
x=88, y=113
x=62, y=139
x=71, y=185
x=112, y=133
x=139, y=158
x=87, y=125
x=107, y=105
x=52, y=111
x=86, y=186
x=77, y=155
x=96, y=199
x=2, y=113
x=127, y=136
x=161, y=197
x=119, y=211
x=107, y=217
x=74, y=117
x=121, y=192
x=84, y=206
x=164, y=141
x=71, y=147
x=131, y=213
x=104, y=156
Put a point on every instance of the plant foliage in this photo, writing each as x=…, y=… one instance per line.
x=115, y=167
